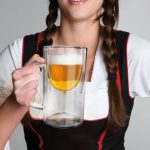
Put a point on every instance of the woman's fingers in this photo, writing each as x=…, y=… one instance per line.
x=26, y=70
x=26, y=88
x=35, y=59
x=25, y=80
x=26, y=98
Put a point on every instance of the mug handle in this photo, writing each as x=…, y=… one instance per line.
x=38, y=96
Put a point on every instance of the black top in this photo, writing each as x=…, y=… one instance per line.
x=91, y=135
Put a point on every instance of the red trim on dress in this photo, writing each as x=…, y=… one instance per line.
x=40, y=38
x=101, y=139
x=38, y=135
x=118, y=81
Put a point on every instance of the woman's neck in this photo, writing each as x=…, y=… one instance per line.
x=84, y=34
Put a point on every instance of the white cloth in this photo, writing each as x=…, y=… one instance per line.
x=10, y=59
x=138, y=52
x=7, y=146
x=96, y=97
x=8, y=63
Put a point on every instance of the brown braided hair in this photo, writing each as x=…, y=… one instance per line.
x=117, y=114
x=50, y=22
x=51, y=27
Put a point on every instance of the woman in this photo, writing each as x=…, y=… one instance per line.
x=113, y=60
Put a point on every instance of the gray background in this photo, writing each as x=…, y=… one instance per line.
x=21, y=17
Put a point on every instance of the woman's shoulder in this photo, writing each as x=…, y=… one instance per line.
x=37, y=36
x=135, y=44
x=29, y=36
x=138, y=46
x=14, y=50
x=17, y=47
x=133, y=38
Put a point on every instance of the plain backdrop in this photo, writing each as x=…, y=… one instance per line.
x=21, y=17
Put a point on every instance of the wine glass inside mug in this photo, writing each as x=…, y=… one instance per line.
x=64, y=71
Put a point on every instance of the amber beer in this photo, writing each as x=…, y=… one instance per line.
x=64, y=71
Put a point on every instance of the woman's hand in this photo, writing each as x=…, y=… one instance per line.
x=25, y=80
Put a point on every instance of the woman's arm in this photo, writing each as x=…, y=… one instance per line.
x=25, y=81
x=10, y=115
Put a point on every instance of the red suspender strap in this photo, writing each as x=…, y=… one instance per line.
x=100, y=142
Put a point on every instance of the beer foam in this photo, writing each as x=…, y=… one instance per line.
x=66, y=59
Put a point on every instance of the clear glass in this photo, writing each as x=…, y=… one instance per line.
x=63, y=86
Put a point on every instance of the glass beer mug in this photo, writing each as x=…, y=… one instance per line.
x=62, y=89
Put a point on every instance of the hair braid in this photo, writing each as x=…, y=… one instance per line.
x=50, y=21
x=51, y=27
x=117, y=113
